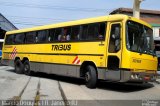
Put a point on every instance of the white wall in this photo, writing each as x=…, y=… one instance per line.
x=156, y=33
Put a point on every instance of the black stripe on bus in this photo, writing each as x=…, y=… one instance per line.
x=58, y=42
x=54, y=63
x=73, y=54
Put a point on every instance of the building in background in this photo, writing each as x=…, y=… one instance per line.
x=150, y=16
x=5, y=25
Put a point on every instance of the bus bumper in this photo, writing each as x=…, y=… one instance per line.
x=126, y=76
x=143, y=77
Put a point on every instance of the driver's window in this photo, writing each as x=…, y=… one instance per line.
x=114, y=42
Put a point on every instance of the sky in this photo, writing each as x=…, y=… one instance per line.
x=30, y=13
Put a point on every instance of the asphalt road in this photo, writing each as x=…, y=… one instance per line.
x=42, y=89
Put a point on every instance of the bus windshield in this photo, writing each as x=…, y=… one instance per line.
x=139, y=38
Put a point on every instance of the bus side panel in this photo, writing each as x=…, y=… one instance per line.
x=48, y=59
x=51, y=68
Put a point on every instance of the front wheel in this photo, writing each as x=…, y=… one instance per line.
x=90, y=77
x=27, y=70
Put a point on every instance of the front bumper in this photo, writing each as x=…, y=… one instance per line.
x=127, y=76
x=143, y=77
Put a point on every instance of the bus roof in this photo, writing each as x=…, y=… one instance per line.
x=82, y=21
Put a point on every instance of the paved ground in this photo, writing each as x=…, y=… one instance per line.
x=64, y=90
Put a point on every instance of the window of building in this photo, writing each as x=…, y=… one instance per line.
x=159, y=32
x=1, y=45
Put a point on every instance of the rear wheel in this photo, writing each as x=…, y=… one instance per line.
x=27, y=70
x=90, y=76
x=19, y=66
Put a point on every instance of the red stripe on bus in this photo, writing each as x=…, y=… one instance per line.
x=75, y=60
x=14, y=53
x=78, y=62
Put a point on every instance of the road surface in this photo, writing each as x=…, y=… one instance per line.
x=42, y=89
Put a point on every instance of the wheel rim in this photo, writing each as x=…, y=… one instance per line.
x=26, y=68
x=87, y=76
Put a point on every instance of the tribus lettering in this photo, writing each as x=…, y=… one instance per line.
x=61, y=47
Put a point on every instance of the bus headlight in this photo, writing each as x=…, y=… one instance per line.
x=132, y=77
x=136, y=76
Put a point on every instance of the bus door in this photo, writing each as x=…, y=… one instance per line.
x=114, y=51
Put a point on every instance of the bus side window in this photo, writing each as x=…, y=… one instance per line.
x=31, y=37
x=42, y=36
x=101, y=31
x=84, y=32
x=19, y=38
x=92, y=31
x=68, y=34
x=62, y=36
x=9, y=39
x=75, y=33
x=58, y=34
x=51, y=35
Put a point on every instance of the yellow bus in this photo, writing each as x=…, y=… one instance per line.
x=113, y=48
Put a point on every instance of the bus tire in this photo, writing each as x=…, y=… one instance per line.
x=91, y=77
x=19, y=66
x=27, y=70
